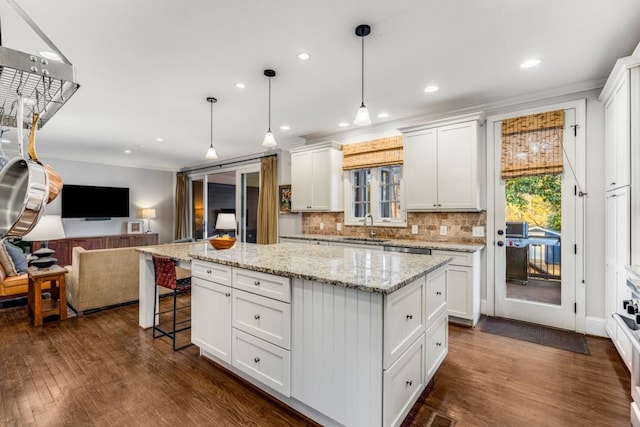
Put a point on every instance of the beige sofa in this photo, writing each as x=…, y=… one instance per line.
x=102, y=278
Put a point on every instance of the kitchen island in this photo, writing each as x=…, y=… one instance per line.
x=346, y=336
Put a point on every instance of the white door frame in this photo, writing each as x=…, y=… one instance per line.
x=580, y=166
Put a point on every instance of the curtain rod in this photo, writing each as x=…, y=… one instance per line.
x=229, y=163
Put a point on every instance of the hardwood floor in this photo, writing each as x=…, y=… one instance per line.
x=101, y=369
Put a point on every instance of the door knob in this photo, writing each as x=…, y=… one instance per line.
x=500, y=243
x=500, y=232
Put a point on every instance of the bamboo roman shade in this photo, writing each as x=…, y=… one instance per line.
x=371, y=154
x=532, y=145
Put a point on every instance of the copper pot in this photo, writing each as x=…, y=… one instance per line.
x=55, y=180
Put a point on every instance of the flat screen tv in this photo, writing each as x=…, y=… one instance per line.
x=86, y=201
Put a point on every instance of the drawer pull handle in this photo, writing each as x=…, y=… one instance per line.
x=257, y=359
x=438, y=344
x=409, y=316
x=227, y=294
x=257, y=283
x=257, y=316
x=409, y=383
x=208, y=271
x=438, y=293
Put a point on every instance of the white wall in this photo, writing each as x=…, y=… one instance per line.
x=147, y=189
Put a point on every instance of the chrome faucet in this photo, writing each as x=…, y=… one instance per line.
x=372, y=233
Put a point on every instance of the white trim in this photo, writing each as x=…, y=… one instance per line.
x=596, y=326
x=483, y=307
x=580, y=107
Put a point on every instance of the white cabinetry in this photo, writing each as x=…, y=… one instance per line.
x=316, y=178
x=463, y=286
x=442, y=167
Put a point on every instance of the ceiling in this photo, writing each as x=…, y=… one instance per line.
x=146, y=67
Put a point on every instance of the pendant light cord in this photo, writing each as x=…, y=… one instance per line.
x=269, y=104
x=211, y=125
x=362, y=73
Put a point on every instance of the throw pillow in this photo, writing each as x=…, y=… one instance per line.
x=17, y=256
x=6, y=261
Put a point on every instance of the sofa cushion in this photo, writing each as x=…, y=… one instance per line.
x=17, y=256
x=12, y=281
x=6, y=261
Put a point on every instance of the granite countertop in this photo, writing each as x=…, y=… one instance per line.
x=445, y=246
x=370, y=271
x=634, y=270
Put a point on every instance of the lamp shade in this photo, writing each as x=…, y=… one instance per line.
x=149, y=213
x=48, y=228
x=226, y=221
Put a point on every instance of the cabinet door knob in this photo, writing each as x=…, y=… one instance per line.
x=439, y=204
x=438, y=344
x=409, y=383
x=257, y=316
x=227, y=294
x=208, y=271
x=438, y=293
x=257, y=359
x=409, y=316
x=257, y=283
x=435, y=204
x=613, y=183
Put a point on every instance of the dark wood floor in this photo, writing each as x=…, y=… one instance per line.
x=101, y=369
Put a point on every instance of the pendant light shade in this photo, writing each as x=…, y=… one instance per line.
x=362, y=117
x=269, y=140
x=211, y=152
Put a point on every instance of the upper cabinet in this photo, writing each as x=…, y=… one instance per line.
x=316, y=178
x=617, y=147
x=442, y=167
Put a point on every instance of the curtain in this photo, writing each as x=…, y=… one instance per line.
x=182, y=207
x=267, y=202
x=374, y=153
x=532, y=145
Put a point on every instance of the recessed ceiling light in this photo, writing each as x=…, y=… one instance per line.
x=50, y=55
x=431, y=88
x=383, y=115
x=159, y=139
x=530, y=63
x=240, y=85
x=285, y=127
x=6, y=141
x=343, y=124
x=127, y=151
x=303, y=56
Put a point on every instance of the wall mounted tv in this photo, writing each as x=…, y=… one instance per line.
x=85, y=201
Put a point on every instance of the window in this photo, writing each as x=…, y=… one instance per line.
x=375, y=191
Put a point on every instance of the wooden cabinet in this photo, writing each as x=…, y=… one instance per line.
x=463, y=286
x=64, y=247
x=442, y=167
x=316, y=178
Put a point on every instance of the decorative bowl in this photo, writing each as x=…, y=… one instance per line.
x=220, y=243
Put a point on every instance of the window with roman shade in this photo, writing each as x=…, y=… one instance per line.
x=532, y=145
x=372, y=154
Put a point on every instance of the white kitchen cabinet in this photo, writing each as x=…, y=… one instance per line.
x=211, y=317
x=617, y=158
x=442, y=166
x=463, y=286
x=437, y=345
x=316, y=178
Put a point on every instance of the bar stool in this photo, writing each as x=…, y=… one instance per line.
x=165, y=276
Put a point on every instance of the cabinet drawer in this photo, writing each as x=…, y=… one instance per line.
x=262, y=317
x=404, y=319
x=209, y=271
x=459, y=258
x=437, y=344
x=263, y=361
x=436, y=299
x=403, y=383
x=271, y=286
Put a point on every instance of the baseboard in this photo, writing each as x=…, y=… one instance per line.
x=596, y=326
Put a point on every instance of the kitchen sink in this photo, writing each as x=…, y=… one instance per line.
x=363, y=239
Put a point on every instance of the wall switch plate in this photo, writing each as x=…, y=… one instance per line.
x=339, y=226
x=414, y=229
x=478, y=231
x=322, y=226
x=443, y=230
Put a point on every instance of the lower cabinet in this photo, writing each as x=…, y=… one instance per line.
x=211, y=317
x=437, y=345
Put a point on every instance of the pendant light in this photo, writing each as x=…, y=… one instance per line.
x=211, y=152
x=362, y=117
x=269, y=139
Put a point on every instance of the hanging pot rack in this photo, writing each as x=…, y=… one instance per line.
x=44, y=85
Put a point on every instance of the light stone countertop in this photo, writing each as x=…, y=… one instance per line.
x=634, y=270
x=444, y=246
x=369, y=271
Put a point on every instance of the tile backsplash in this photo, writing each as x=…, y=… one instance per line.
x=459, y=226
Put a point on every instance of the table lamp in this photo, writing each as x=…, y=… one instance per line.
x=149, y=214
x=226, y=222
x=49, y=227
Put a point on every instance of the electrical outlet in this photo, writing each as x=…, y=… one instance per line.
x=414, y=229
x=443, y=230
x=478, y=231
x=322, y=226
x=339, y=226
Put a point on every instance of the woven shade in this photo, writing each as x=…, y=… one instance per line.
x=532, y=145
x=371, y=154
